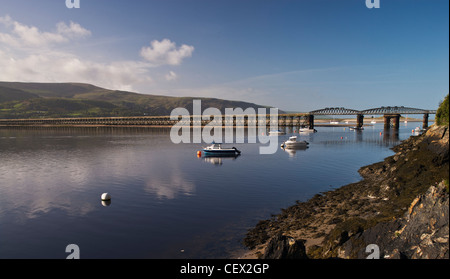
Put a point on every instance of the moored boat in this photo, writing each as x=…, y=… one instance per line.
x=307, y=130
x=216, y=149
x=276, y=133
x=293, y=143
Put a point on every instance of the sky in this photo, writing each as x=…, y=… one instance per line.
x=297, y=55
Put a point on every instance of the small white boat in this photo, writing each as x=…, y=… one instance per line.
x=334, y=123
x=418, y=130
x=356, y=128
x=277, y=133
x=292, y=143
x=307, y=130
x=373, y=122
x=216, y=149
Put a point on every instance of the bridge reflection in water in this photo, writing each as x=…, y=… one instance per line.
x=386, y=137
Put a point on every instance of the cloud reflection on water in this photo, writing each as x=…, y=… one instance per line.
x=38, y=175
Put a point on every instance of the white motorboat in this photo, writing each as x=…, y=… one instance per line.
x=277, y=133
x=307, y=130
x=292, y=143
x=418, y=131
x=356, y=128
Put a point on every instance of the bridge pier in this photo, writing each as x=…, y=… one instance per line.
x=397, y=121
x=359, y=120
x=311, y=121
x=388, y=118
x=387, y=122
x=425, y=121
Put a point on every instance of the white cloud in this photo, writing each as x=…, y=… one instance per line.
x=29, y=54
x=66, y=67
x=21, y=35
x=165, y=52
x=75, y=30
x=171, y=76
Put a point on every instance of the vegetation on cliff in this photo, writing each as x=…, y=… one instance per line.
x=442, y=113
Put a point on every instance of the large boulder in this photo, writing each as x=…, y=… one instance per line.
x=422, y=233
x=284, y=247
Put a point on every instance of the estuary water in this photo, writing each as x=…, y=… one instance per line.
x=166, y=202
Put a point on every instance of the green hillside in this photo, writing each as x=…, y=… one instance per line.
x=40, y=100
x=65, y=90
x=11, y=94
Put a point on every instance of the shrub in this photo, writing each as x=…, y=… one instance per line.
x=442, y=113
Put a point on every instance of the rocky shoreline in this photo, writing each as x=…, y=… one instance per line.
x=401, y=206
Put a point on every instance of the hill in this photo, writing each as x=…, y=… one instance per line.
x=10, y=94
x=36, y=100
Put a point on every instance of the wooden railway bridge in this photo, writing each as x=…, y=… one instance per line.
x=391, y=114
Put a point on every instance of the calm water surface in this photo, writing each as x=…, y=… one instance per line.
x=166, y=202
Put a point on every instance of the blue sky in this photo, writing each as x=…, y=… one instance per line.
x=298, y=55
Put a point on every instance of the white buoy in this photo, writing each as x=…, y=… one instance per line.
x=106, y=197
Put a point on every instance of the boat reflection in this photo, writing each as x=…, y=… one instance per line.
x=218, y=160
x=293, y=150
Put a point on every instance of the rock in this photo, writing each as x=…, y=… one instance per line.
x=422, y=233
x=284, y=247
x=257, y=235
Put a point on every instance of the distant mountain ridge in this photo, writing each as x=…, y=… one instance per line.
x=37, y=100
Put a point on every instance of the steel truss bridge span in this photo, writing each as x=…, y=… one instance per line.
x=373, y=111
